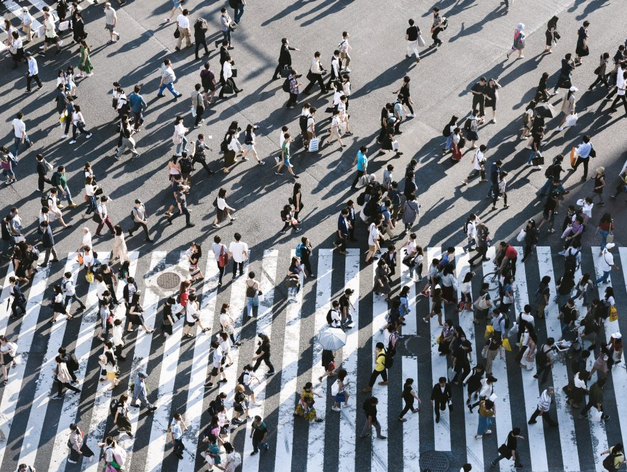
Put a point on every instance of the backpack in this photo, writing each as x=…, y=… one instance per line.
x=570, y=263
x=446, y=132
x=237, y=460
x=361, y=199
x=608, y=462
x=302, y=120
x=548, y=173
x=224, y=146
x=467, y=125
x=240, y=379
x=44, y=199
x=113, y=406
x=329, y=317
x=389, y=360
x=286, y=89
x=299, y=250
x=186, y=165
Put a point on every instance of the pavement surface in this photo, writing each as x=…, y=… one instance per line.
x=475, y=45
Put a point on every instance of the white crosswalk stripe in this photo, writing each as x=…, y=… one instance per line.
x=564, y=447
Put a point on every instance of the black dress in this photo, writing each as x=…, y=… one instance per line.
x=582, y=48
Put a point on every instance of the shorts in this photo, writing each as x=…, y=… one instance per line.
x=187, y=323
x=250, y=147
x=372, y=248
x=340, y=397
x=8, y=358
x=215, y=371
x=248, y=390
x=48, y=40
x=286, y=162
x=545, y=216
x=437, y=308
x=176, y=3
x=109, y=27
x=210, y=88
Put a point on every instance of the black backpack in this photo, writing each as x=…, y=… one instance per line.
x=361, y=199
x=286, y=89
x=446, y=132
x=389, y=360
x=548, y=173
x=541, y=357
x=233, y=3
x=240, y=379
x=608, y=462
x=186, y=165
x=44, y=199
x=329, y=317
x=570, y=263
x=224, y=146
x=72, y=362
x=467, y=125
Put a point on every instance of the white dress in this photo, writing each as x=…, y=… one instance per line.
x=119, y=248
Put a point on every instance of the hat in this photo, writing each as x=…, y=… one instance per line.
x=610, y=246
x=107, y=4
x=617, y=335
x=24, y=8
x=137, y=200
x=520, y=26
x=349, y=291
x=142, y=375
x=574, y=89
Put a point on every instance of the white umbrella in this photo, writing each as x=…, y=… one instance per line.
x=332, y=339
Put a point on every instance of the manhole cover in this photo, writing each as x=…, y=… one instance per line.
x=168, y=280
x=434, y=462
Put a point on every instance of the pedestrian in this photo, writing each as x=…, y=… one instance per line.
x=370, y=408
x=303, y=252
x=440, y=397
x=545, y=358
x=221, y=254
x=226, y=26
x=285, y=60
x=238, y=251
x=78, y=448
x=316, y=71
x=519, y=41
x=78, y=123
x=140, y=219
x=168, y=77
x=509, y=450
x=69, y=292
x=601, y=72
x=111, y=21
x=50, y=33
x=249, y=143
x=259, y=435
x=177, y=428
x=411, y=37
x=27, y=24
x=564, y=79
x=550, y=209
x=472, y=129
x=615, y=458
x=78, y=24
x=501, y=192
x=262, y=354
x=621, y=87
x=582, y=49
x=294, y=90
x=379, y=369
x=437, y=27
x=551, y=35
x=8, y=352
x=487, y=410
x=126, y=137
x=184, y=31
x=479, y=92
x=20, y=135
x=47, y=240
x=226, y=78
x=409, y=395
x=253, y=291
x=140, y=393
x=102, y=216
x=182, y=207
x=285, y=154
x=63, y=378
x=606, y=263
x=85, y=66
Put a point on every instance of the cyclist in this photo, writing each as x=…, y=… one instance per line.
x=506, y=255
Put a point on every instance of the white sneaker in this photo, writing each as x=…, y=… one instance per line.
x=336, y=408
x=560, y=129
x=410, y=115
x=63, y=136
x=72, y=141
x=488, y=431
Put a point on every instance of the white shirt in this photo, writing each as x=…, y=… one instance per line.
x=620, y=82
x=217, y=357
x=102, y=210
x=239, y=251
x=478, y=160
x=89, y=190
x=101, y=287
x=282, y=139
x=191, y=311
x=373, y=234
x=225, y=346
x=19, y=127
x=226, y=322
x=86, y=240
x=27, y=18
x=183, y=21
x=471, y=229
x=217, y=248
x=68, y=287
x=180, y=129
x=315, y=66
x=117, y=333
x=227, y=73
x=49, y=27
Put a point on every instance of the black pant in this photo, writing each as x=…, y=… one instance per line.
x=203, y=43
x=42, y=179
x=316, y=78
x=231, y=83
x=583, y=161
x=136, y=226
x=29, y=79
x=409, y=405
x=434, y=36
x=545, y=416
x=184, y=211
x=481, y=252
x=70, y=298
x=545, y=370
x=221, y=272
x=589, y=405
x=601, y=78
x=266, y=360
x=238, y=265
x=360, y=173
x=375, y=374
x=292, y=101
x=15, y=305
x=623, y=99
x=478, y=100
x=61, y=386
x=405, y=102
x=341, y=243
x=279, y=68
x=307, y=263
x=439, y=405
x=138, y=119
x=199, y=112
x=203, y=163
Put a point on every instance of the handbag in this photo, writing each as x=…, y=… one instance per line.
x=177, y=33
x=573, y=156
x=46, y=164
x=311, y=76
x=395, y=145
x=538, y=160
x=285, y=72
x=193, y=112
x=227, y=88
x=80, y=258
x=610, y=237
x=223, y=258
x=506, y=345
x=613, y=314
x=571, y=120
x=64, y=25
x=313, y=145
x=97, y=218
x=521, y=236
x=421, y=41
x=482, y=303
x=233, y=72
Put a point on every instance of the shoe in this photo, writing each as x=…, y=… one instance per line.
x=382, y=437
x=437, y=420
x=531, y=422
x=367, y=389
x=71, y=461
x=58, y=397
x=383, y=383
x=402, y=420
x=337, y=408
x=72, y=141
x=488, y=431
x=253, y=453
x=268, y=374
x=88, y=135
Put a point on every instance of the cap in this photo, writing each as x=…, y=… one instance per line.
x=24, y=8
x=617, y=335
x=349, y=291
x=610, y=246
x=137, y=200
x=574, y=89
x=520, y=27
x=107, y=4
x=142, y=375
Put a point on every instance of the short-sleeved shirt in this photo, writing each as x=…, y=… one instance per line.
x=479, y=88
x=183, y=21
x=362, y=162
x=373, y=234
x=237, y=249
x=412, y=33
x=259, y=430
x=19, y=127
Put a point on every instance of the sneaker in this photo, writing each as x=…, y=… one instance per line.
x=71, y=461
x=72, y=141
x=88, y=135
x=58, y=397
x=336, y=408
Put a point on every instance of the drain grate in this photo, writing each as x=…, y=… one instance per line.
x=434, y=462
x=169, y=280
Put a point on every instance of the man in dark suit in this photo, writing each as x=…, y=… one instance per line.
x=285, y=58
x=440, y=396
x=350, y=206
x=19, y=300
x=47, y=240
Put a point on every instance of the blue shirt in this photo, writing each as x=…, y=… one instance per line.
x=584, y=149
x=137, y=103
x=362, y=162
x=342, y=225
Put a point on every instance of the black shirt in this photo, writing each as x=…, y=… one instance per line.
x=370, y=407
x=479, y=89
x=412, y=33
x=512, y=442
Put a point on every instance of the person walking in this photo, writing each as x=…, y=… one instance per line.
x=582, y=49
x=78, y=448
x=69, y=292
x=63, y=378
x=126, y=135
x=238, y=251
x=259, y=435
x=621, y=88
x=437, y=27
x=221, y=254
x=177, y=428
x=111, y=21
x=20, y=135
x=584, y=152
x=226, y=26
x=441, y=396
x=78, y=124
x=262, y=354
x=519, y=41
x=198, y=105
x=102, y=216
x=168, y=77
x=140, y=219
x=409, y=395
x=85, y=67
x=478, y=163
x=140, y=393
x=615, y=457
x=379, y=368
x=595, y=399
x=138, y=106
x=181, y=200
x=285, y=59
x=285, y=154
x=316, y=71
x=33, y=71
x=509, y=450
x=370, y=408
x=606, y=264
x=226, y=77
x=183, y=29
x=200, y=31
x=411, y=37
x=544, y=405
x=47, y=240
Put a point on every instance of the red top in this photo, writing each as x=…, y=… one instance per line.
x=510, y=252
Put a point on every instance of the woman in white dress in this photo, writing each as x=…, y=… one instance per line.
x=120, y=252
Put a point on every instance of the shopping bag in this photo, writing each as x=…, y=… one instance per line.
x=610, y=237
x=450, y=374
x=506, y=345
x=394, y=145
x=313, y=145
x=573, y=156
x=521, y=236
x=285, y=72
x=64, y=25
x=489, y=331
x=613, y=314
x=192, y=110
x=335, y=388
x=571, y=120
x=421, y=41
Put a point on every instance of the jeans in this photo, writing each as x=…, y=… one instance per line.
x=91, y=204
x=16, y=144
x=170, y=87
x=603, y=234
x=67, y=195
x=545, y=370
x=227, y=35
x=250, y=303
x=484, y=423
x=434, y=36
x=179, y=447
x=182, y=144
x=138, y=119
x=547, y=185
x=238, y=12
x=604, y=278
x=292, y=101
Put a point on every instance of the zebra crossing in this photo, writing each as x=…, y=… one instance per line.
x=37, y=427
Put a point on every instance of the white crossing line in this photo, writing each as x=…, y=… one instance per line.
x=411, y=326
x=537, y=444
x=167, y=376
x=348, y=414
x=24, y=342
x=267, y=281
x=45, y=383
x=442, y=430
x=289, y=381
x=474, y=454
x=198, y=376
x=315, y=460
x=568, y=440
x=411, y=428
x=379, y=447
x=69, y=410
x=16, y=10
